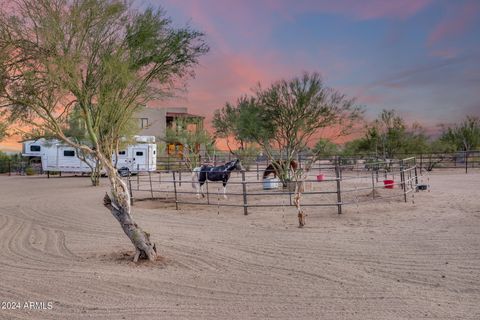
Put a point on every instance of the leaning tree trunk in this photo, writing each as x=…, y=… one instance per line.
x=119, y=204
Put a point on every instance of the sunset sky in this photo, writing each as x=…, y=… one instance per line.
x=420, y=57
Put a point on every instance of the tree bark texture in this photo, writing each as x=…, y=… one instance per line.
x=119, y=205
x=298, y=195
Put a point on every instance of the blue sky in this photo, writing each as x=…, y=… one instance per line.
x=419, y=57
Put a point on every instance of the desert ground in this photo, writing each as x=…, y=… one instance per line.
x=378, y=260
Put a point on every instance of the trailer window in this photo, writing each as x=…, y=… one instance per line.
x=121, y=153
x=35, y=148
x=68, y=153
x=139, y=153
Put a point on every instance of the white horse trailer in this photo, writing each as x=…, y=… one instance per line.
x=59, y=157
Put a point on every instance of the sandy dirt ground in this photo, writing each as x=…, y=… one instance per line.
x=381, y=260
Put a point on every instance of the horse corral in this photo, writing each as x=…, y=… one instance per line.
x=328, y=184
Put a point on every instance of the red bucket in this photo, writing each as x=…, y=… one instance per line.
x=320, y=177
x=388, y=184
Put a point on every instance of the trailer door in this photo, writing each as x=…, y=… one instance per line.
x=139, y=159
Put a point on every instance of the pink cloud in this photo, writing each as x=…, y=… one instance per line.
x=455, y=24
x=225, y=77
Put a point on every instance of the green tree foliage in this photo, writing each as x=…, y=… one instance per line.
x=325, y=148
x=464, y=136
x=285, y=117
x=101, y=56
x=3, y=130
x=228, y=121
x=389, y=135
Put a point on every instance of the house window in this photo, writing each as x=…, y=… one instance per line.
x=68, y=153
x=143, y=123
x=35, y=148
x=122, y=153
x=139, y=153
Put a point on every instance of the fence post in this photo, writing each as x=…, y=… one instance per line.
x=466, y=162
x=151, y=187
x=9, y=167
x=339, y=191
x=258, y=173
x=421, y=163
x=129, y=187
x=180, y=178
x=416, y=173
x=208, y=192
x=138, y=181
x=373, y=185
x=402, y=179
x=244, y=188
x=175, y=190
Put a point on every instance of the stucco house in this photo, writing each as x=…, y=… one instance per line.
x=155, y=121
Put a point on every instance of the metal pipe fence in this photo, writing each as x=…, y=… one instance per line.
x=335, y=186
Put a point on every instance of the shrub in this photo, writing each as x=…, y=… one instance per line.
x=29, y=171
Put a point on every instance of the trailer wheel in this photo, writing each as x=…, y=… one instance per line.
x=124, y=172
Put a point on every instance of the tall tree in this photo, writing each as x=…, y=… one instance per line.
x=104, y=57
x=226, y=122
x=464, y=136
x=285, y=117
x=389, y=135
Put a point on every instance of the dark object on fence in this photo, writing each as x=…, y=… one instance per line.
x=422, y=187
x=388, y=184
x=272, y=168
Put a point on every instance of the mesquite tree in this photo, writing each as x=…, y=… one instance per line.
x=101, y=56
x=284, y=118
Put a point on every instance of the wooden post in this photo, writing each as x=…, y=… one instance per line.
x=339, y=191
x=9, y=167
x=258, y=172
x=151, y=186
x=175, y=190
x=138, y=181
x=180, y=178
x=244, y=188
